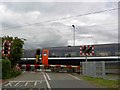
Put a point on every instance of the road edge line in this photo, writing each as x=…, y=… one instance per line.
x=74, y=77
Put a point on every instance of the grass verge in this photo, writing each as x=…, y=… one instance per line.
x=102, y=83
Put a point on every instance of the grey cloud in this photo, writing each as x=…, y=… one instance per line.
x=46, y=39
x=99, y=33
x=58, y=7
x=10, y=24
x=30, y=6
x=57, y=33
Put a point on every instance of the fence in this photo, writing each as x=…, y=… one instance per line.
x=102, y=69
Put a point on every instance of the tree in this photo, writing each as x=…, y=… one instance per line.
x=15, y=49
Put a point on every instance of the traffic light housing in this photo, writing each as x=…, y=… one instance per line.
x=38, y=52
x=37, y=55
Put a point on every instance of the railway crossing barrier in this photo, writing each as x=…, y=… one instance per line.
x=29, y=67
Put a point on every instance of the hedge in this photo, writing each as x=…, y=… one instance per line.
x=6, y=68
x=7, y=71
x=14, y=73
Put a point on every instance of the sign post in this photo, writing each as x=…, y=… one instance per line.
x=6, y=48
x=86, y=50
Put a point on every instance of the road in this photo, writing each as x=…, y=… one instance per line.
x=45, y=81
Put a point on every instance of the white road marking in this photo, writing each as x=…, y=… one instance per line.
x=48, y=85
x=74, y=77
x=9, y=84
x=40, y=81
x=17, y=83
x=48, y=76
x=26, y=83
x=48, y=70
x=32, y=72
x=35, y=83
x=39, y=70
x=23, y=71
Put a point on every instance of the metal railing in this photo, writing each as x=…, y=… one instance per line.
x=102, y=69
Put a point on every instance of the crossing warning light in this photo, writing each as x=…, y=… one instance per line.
x=6, y=48
x=37, y=55
x=87, y=50
x=84, y=49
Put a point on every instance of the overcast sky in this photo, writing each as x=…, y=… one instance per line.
x=52, y=31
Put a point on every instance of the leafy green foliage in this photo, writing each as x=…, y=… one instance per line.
x=7, y=71
x=16, y=49
x=6, y=67
x=15, y=73
x=9, y=63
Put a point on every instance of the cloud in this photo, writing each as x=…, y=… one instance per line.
x=15, y=17
x=60, y=0
x=89, y=29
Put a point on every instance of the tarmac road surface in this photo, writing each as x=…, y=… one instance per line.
x=45, y=81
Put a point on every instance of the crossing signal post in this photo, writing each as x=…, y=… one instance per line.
x=86, y=50
x=6, y=48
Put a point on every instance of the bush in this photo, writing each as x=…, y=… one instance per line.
x=15, y=73
x=6, y=68
x=7, y=71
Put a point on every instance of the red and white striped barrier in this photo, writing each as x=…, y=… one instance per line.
x=27, y=67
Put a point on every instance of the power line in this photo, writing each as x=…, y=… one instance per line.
x=103, y=24
x=64, y=18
